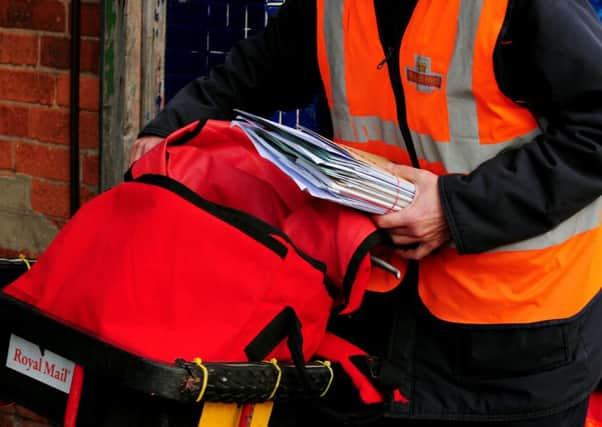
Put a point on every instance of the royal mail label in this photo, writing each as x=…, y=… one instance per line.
x=49, y=368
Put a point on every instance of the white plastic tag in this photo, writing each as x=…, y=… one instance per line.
x=49, y=368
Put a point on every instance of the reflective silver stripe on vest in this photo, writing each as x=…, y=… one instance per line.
x=335, y=39
x=461, y=105
x=585, y=220
x=367, y=128
x=372, y=128
x=345, y=126
x=464, y=157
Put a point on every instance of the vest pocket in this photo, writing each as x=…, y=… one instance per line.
x=508, y=351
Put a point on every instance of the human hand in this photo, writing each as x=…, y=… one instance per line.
x=423, y=221
x=143, y=145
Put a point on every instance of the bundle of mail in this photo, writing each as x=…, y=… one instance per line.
x=325, y=169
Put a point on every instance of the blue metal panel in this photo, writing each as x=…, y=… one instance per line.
x=598, y=6
x=201, y=32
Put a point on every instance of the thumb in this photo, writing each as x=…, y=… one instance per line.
x=402, y=171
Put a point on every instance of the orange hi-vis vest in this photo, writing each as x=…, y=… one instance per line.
x=457, y=118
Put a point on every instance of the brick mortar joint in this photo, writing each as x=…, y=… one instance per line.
x=58, y=182
x=55, y=106
x=55, y=72
x=38, y=33
x=63, y=71
x=13, y=67
x=89, y=152
x=34, y=142
x=90, y=187
x=50, y=181
x=84, y=150
x=26, y=31
x=29, y=67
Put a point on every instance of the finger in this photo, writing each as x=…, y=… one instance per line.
x=404, y=240
x=132, y=157
x=391, y=220
x=416, y=254
x=412, y=254
x=140, y=151
x=403, y=171
x=400, y=231
x=135, y=154
x=144, y=148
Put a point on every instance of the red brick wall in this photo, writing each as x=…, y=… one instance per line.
x=34, y=124
x=34, y=105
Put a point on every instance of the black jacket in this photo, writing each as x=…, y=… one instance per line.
x=553, y=67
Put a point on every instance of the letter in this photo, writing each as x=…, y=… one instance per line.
x=35, y=364
x=18, y=353
x=65, y=374
x=49, y=369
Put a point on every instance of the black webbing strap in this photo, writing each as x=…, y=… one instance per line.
x=285, y=324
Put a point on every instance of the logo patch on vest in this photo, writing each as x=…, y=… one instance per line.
x=422, y=76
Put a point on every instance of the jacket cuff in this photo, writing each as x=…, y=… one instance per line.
x=448, y=212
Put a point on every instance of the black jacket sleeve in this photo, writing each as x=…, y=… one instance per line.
x=275, y=70
x=554, y=66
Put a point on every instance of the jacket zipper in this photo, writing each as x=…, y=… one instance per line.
x=388, y=55
x=392, y=59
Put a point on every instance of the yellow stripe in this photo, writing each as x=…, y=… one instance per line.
x=220, y=415
x=261, y=414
